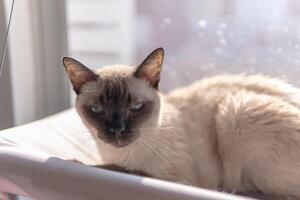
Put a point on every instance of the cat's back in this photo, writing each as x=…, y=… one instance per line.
x=235, y=100
x=213, y=89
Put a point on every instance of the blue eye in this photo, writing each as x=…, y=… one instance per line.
x=137, y=106
x=97, y=109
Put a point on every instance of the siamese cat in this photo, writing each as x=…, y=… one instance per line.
x=239, y=133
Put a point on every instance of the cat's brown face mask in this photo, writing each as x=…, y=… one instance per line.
x=117, y=102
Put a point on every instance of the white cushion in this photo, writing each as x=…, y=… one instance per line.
x=32, y=164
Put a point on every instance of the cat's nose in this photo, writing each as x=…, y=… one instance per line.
x=116, y=130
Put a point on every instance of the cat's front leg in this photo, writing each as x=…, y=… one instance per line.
x=115, y=168
x=169, y=174
x=118, y=168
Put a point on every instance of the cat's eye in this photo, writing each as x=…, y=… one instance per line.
x=97, y=109
x=137, y=106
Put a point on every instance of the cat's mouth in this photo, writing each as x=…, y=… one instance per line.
x=118, y=140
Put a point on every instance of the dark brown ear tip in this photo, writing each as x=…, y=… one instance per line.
x=160, y=50
x=66, y=60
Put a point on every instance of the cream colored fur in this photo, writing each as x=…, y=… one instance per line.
x=240, y=133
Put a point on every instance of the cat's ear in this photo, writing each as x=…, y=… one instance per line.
x=150, y=68
x=78, y=73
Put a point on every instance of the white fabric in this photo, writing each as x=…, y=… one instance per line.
x=31, y=164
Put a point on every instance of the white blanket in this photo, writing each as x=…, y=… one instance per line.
x=32, y=164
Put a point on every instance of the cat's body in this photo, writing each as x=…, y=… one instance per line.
x=250, y=127
x=239, y=133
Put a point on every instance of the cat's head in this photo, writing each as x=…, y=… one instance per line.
x=117, y=102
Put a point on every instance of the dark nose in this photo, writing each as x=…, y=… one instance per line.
x=117, y=124
x=117, y=129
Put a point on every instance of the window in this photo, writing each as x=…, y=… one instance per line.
x=201, y=38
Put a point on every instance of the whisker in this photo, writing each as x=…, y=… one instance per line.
x=170, y=132
x=159, y=151
x=161, y=127
x=148, y=147
x=163, y=143
x=141, y=144
x=153, y=149
x=167, y=131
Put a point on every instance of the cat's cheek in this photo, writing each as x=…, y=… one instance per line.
x=89, y=124
x=90, y=127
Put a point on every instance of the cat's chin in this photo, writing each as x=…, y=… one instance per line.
x=120, y=145
x=117, y=144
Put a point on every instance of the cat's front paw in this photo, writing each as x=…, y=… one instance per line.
x=75, y=161
x=118, y=168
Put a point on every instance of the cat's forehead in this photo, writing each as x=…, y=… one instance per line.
x=115, y=70
x=117, y=83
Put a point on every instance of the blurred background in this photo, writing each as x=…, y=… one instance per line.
x=200, y=37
